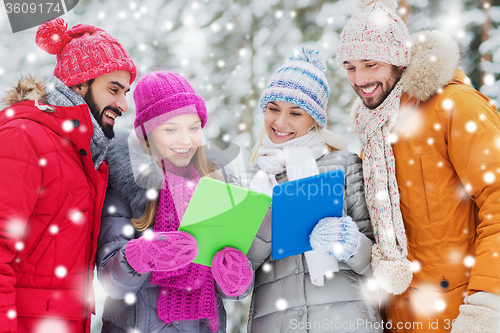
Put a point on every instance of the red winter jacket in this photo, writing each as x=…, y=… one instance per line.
x=50, y=203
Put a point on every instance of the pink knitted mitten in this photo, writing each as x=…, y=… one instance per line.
x=232, y=271
x=165, y=251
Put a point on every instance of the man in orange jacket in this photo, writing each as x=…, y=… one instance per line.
x=53, y=179
x=430, y=162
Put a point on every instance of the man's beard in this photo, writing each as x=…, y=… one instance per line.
x=94, y=109
x=387, y=87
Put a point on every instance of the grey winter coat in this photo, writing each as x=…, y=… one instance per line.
x=126, y=200
x=343, y=304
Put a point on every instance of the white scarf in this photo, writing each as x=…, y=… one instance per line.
x=298, y=158
x=391, y=267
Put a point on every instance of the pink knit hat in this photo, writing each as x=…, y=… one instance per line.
x=84, y=52
x=162, y=95
x=375, y=32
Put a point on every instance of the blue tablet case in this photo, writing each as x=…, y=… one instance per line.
x=298, y=205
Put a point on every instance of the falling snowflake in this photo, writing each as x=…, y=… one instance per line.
x=267, y=267
x=11, y=314
x=111, y=209
x=411, y=162
x=393, y=138
x=382, y=195
x=19, y=246
x=221, y=63
x=371, y=284
x=101, y=15
x=329, y=275
x=242, y=126
x=67, y=126
x=152, y=194
x=31, y=57
x=440, y=164
x=293, y=14
x=489, y=177
x=130, y=298
x=122, y=15
x=15, y=227
x=148, y=234
x=469, y=261
x=51, y=325
x=437, y=127
x=61, y=271
x=54, y=229
x=440, y=305
x=415, y=266
x=2, y=71
x=468, y=187
x=471, y=126
x=279, y=14
x=128, y=230
x=229, y=26
x=42, y=162
x=489, y=80
x=281, y=304
x=447, y=104
x=9, y=113
x=430, y=141
x=75, y=216
x=338, y=249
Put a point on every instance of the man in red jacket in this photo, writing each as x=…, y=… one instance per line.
x=53, y=178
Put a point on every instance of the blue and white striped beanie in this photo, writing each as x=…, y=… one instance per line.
x=302, y=82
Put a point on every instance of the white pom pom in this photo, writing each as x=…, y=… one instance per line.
x=389, y=3
x=393, y=276
x=310, y=55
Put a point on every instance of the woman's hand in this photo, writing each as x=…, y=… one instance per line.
x=165, y=251
x=337, y=236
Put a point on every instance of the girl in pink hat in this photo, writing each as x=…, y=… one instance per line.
x=144, y=262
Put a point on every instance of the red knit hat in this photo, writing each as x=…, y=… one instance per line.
x=84, y=52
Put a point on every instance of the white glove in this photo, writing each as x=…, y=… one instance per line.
x=337, y=236
x=480, y=313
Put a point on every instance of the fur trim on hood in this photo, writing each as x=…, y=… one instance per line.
x=435, y=56
x=28, y=89
x=131, y=171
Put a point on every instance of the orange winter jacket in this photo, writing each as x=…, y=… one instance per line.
x=447, y=154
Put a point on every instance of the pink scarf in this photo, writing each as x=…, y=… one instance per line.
x=187, y=293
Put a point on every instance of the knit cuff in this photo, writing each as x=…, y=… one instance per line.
x=133, y=255
x=232, y=271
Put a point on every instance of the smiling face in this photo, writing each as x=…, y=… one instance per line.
x=372, y=81
x=105, y=96
x=285, y=121
x=178, y=139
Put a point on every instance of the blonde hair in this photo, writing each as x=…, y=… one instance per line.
x=204, y=168
x=330, y=139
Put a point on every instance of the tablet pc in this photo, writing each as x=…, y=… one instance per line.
x=298, y=205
